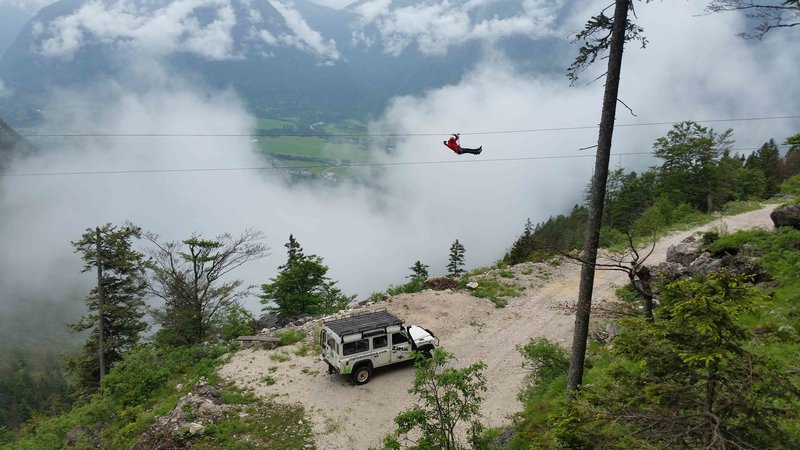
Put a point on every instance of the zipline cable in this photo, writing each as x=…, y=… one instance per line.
x=316, y=166
x=378, y=135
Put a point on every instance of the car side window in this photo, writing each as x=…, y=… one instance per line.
x=399, y=338
x=351, y=348
x=380, y=342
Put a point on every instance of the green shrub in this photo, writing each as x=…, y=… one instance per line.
x=610, y=236
x=546, y=360
x=291, y=336
x=411, y=287
x=792, y=187
x=493, y=290
x=234, y=322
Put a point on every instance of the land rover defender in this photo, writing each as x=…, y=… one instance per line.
x=357, y=344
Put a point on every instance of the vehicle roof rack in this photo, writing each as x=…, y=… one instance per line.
x=363, y=321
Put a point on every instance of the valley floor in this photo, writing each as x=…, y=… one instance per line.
x=357, y=417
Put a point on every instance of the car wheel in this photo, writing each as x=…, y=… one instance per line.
x=362, y=375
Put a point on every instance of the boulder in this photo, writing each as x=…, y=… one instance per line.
x=786, y=216
x=75, y=435
x=472, y=285
x=683, y=253
x=668, y=270
x=195, y=428
x=268, y=321
x=704, y=264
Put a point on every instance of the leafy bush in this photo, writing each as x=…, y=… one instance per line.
x=415, y=285
x=446, y=396
x=291, y=336
x=546, y=360
x=610, y=236
x=792, y=187
x=233, y=322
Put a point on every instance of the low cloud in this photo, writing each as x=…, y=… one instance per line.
x=160, y=31
x=4, y=91
x=206, y=28
x=303, y=36
x=29, y=6
x=694, y=68
x=435, y=26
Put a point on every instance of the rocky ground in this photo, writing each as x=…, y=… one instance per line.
x=357, y=417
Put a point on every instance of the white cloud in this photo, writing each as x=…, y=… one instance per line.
x=158, y=31
x=168, y=27
x=435, y=25
x=29, y=6
x=4, y=91
x=304, y=37
x=335, y=4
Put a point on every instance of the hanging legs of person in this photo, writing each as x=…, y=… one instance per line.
x=474, y=151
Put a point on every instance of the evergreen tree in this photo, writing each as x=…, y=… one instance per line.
x=455, y=268
x=116, y=305
x=791, y=162
x=690, y=167
x=294, y=252
x=690, y=379
x=419, y=271
x=332, y=299
x=523, y=246
x=767, y=160
x=188, y=276
x=302, y=287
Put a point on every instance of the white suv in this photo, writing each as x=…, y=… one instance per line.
x=357, y=344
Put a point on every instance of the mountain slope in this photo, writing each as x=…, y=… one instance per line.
x=471, y=328
x=298, y=57
x=11, y=144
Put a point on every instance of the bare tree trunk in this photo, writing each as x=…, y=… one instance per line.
x=617, y=43
x=100, y=301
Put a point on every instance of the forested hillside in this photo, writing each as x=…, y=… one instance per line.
x=700, y=174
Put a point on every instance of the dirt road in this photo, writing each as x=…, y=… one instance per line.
x=357, y=417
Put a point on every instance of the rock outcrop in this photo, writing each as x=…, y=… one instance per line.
x=194, y=411
x=786, y=216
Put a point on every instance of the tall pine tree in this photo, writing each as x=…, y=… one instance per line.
x=116, y=304
x=455, y=268
x=302, y=287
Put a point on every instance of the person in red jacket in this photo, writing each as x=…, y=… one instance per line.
x=453, y=145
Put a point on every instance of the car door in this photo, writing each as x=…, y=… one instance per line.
x=381, y=355
x=401, y=347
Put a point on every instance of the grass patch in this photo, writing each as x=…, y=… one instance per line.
x=291, y=336
x=268, y=380
x=141, y=388
x=267, y=425
x=411, y=287
x=280, y=357
x=495, y=291
x=303, y=350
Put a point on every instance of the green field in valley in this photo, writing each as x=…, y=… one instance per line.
x=326, y=146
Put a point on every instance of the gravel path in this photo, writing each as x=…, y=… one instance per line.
x=357, y=417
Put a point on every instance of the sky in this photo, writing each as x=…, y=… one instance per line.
x=694, y=67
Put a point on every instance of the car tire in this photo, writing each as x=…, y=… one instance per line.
x=362, y=374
